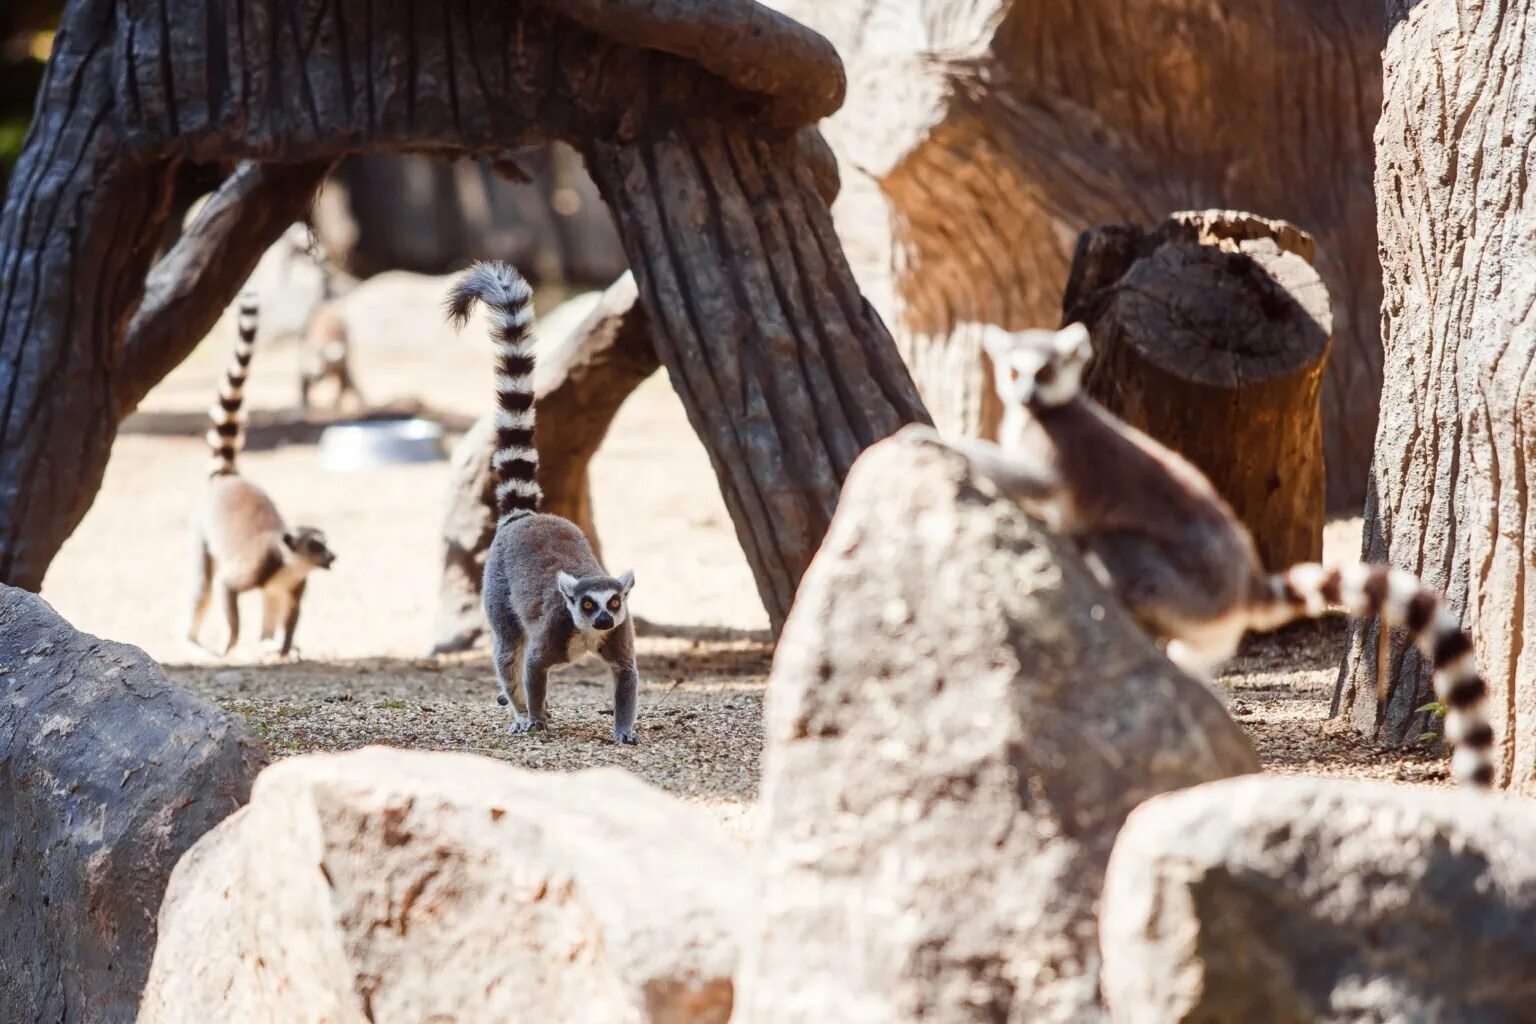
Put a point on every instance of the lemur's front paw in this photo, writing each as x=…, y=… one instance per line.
x=273, y=651
x=527, y=723
x=625, y=736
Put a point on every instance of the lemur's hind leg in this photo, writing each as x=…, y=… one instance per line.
x=202, y=591
x=507, y=643
x=231, y=617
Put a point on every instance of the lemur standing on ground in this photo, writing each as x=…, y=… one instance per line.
x=1155, y=531
x=325, y=348
x=547, y=598
x=238, y=538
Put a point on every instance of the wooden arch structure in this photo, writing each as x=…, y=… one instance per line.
x=688, y=112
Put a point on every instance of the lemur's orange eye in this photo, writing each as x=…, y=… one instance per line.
x=587, y=604
x=613, y=604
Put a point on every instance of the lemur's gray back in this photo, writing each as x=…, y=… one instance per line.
x=227, y=435
x=510, y=302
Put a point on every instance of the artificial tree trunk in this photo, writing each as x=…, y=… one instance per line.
x=979, y=139
x=1450, y=497
x=654, y=94
x=1210, y=333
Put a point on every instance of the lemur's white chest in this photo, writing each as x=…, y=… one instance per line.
x=583, y=643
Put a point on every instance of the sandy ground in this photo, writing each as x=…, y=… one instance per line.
x=363, y=677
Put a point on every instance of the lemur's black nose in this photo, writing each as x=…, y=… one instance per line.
x=602, y=620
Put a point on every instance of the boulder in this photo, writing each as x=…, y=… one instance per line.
x=959, y=720
x=108, y=773
x=387, y=885
x=1301, y=899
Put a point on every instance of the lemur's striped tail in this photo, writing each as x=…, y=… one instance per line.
x=510, y=302
x=227, y=435
x=1309, y=590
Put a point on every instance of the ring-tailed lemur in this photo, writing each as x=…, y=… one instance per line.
x=547, y=598
x=325, y=348
x=1154, y=530
x=238, y=538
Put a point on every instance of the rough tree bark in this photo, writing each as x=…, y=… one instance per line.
x=1450, y=498
x=979, y=138
x=690, y=111
x=582, y=380
x=1210, y=333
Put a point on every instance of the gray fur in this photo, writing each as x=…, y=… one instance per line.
x=1155, y=531
x=534, y=621
x=547, y=598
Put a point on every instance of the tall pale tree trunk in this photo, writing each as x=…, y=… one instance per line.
x=1450, y=497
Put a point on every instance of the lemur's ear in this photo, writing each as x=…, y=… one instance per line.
x=1073, y=339
x=997, y=343
x=627, y=580
x=567, y=584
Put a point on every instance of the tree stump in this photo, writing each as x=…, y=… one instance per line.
x=581, y=380
x=1450, y=494
x=1210, y=333
x=981, y=137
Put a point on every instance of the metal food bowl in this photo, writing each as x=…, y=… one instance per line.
x=346, y=447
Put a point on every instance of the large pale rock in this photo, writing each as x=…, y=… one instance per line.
x=1309, y=900
x=392, y=886
x=108, y=773
x=959, y=720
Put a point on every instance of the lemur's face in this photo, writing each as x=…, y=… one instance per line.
x=1038, y=367
x=597, y=604
x=308, y=545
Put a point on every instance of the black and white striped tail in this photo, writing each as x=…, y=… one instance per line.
x=1309, y=590
x=510, y=302
x=227, y=435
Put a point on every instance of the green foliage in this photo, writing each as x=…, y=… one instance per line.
x=13, y=132
x=1434, y=707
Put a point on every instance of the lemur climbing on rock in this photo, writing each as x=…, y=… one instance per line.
x=1154, y=530
x=239, y=541
x=547, y=598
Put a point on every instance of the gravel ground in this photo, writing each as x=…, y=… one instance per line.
x=703, y=642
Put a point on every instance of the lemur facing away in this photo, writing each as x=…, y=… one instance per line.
x=324, y=351
x=547, y=599
x=239, y=541
x=1154, y=530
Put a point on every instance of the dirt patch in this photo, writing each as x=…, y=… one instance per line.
x=367, y=624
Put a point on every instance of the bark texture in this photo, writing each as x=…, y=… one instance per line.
x=1210, y=333
x=1450, y=497
x=581, y=381
x=979, y=139
x=785, y=370
x=690, y=111
x=108, y=773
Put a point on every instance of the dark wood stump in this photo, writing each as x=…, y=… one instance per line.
x=1210, y=333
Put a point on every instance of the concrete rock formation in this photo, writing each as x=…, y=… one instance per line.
x=108, y=772
x=1299, y=900
x=959, y=720
x=387, y=885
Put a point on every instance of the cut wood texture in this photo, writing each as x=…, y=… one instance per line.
x=1210, y=333
x=690, y=114
x=1450, y=492
x=980, y=138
